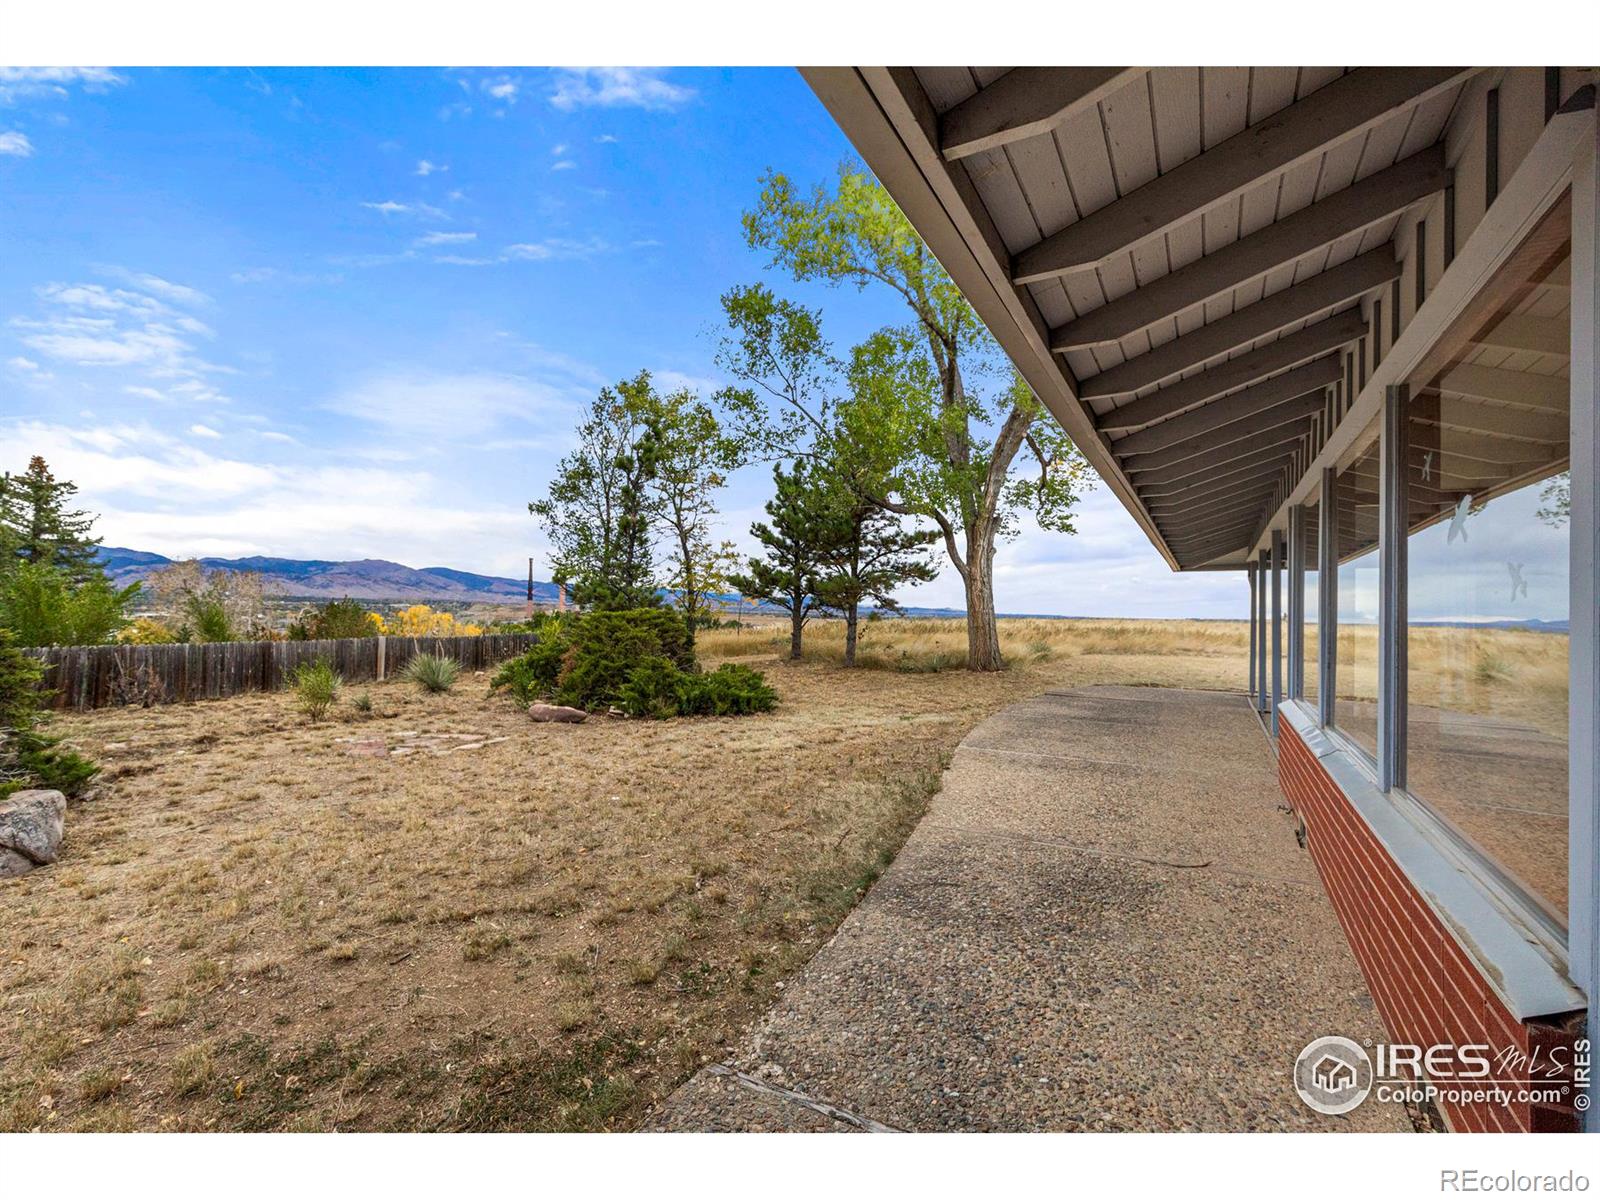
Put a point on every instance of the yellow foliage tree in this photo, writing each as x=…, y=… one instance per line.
x=419, y=620
x=147, y=631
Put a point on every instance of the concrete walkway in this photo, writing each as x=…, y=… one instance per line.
x=1104, y=922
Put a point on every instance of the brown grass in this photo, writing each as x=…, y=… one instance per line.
x=510, y=926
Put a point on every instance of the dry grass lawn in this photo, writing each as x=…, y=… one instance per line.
x=498, y=925
x=259, y=924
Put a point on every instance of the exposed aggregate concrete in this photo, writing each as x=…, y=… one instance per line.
x=1103, y=923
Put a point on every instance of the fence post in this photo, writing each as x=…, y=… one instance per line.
x=381, y=663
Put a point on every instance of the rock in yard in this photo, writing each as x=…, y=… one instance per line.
x=31, y=827
x=374, y=747
x=557, y=712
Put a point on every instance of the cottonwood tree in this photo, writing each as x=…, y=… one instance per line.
x=601, y=509
x=957, y=449
x=793, y=537
x=694, y=456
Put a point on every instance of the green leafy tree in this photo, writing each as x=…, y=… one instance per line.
x=942, y=451
x=793, y=535
x=601, y=510
x=40, y=527
x=1556, y=497
x=866, y=553
x=42, y=606
x=694, y=456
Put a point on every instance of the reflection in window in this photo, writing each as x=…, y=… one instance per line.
x=1355, y=706
x=1488, y=553
x=1308, y=601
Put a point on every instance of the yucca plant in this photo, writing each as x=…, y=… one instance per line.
x=316, y=687
x=433, y=672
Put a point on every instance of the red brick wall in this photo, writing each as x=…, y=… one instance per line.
x=1426, y=989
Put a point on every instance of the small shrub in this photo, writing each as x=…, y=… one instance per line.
x=658, y=689
x=316, y=687
x=363, y=702
x=533, y=674
x=607, y=646
x=208, y=618
x=732, y=690
x=652, y=689
x=147, y=631
x=1490, y=667
x=336, y=619
x=433, y=672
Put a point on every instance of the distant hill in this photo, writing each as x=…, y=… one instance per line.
x=364, y=579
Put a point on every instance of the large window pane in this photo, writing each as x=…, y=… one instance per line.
x=1355, y=706
x=1308, y=601
x=1488, y=555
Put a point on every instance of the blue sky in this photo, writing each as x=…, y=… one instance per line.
x=347, y=314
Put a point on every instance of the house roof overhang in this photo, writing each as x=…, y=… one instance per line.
x=1173, y=258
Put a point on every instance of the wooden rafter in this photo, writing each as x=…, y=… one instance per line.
x=1345, y=212
x=1349, y=105
x=1312, y=342
x=1023, y=103
x=1249, y=324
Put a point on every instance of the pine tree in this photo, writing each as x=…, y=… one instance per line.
x=40, y=528
x=787, y=576
x=865, y=554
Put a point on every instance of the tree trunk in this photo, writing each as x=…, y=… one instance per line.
x=851, y=615
x=797, y=624
x=983, y=635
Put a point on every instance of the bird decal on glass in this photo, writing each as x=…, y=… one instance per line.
x=1427, y=467
x=1458, y=519
x=1518, y=583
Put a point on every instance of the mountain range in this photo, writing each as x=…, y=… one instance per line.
x=363, y=579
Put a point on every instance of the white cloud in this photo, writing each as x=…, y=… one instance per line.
x=607, y=138
x=16, y=144
x=155, y=492
x=556, y=248
x=272, y=435
x=277, y=275
x=31, y=83
x=548, y=250
x=564, y=164
x=504, y=89
x=442, y=407
x=172, y=293
x=90, y=325
x=392, y=208
x=426, y=168
x=445, y=239
x=614, y=87
x=22, y=364
x=204, y=431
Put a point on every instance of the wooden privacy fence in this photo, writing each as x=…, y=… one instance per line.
x=84, y=677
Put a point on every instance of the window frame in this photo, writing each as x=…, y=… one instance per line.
x=1564, y=157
